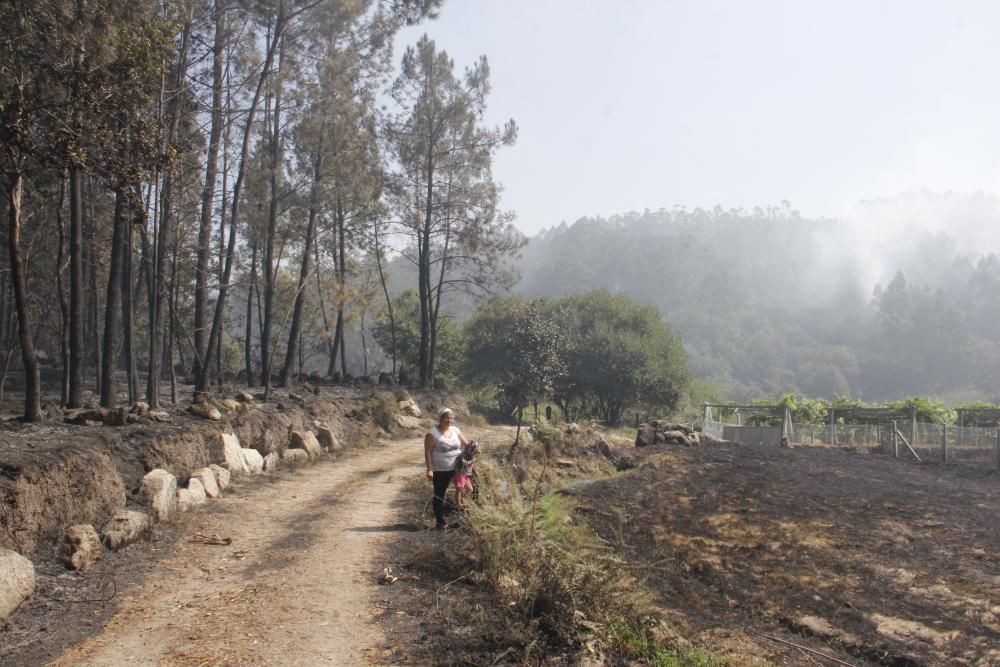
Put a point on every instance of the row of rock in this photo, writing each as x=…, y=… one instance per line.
x=662, y=432
x=98, y=416
x=82, y=545
x=164, y=497
x=140, y=412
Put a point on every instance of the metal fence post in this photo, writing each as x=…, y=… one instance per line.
x=996, y=451
x=944, y=443
x=895, y=440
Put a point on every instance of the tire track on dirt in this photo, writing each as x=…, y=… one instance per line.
x=295, y=587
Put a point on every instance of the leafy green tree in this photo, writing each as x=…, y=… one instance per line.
x=514, y=345
x=406, y=314
x=928, y=411
x=619, y=354
x=805, y=410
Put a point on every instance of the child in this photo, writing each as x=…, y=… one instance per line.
x=463, y=473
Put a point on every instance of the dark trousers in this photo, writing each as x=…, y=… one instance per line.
x=442, y=478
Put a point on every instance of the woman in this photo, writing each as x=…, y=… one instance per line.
x=442, y=446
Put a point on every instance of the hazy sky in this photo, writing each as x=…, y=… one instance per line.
x=625, y=105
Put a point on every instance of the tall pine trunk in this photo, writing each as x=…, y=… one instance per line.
x=94, y=333
x=237, y=187
x=294, y=333
x=159, y=292
x=75, y=290
x=171, y=325
x=248, y=340
x=112, y=305
x=32, y=379
x=424, y=277
x=322, y=309
x=208, y=195
x=269, y=269
x=385, y=291
x=128, y=314
x=61, y=289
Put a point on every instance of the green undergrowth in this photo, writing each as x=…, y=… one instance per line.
x=560, y=589
x=640, y=645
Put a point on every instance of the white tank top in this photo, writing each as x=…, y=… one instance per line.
x=447, y=448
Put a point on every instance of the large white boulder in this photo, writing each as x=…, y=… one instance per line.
x=191, y=496
x=184, y=500
x=226, y=448
x=208, y=482
x=197, y=490
x=81, y=547
x=124, y=528
x=307, y=441
x=18, y=576
x=253, y=462
x=407, y=422
x=222, y=476
x=159, y=488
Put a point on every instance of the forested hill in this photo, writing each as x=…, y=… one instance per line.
x=881, y=305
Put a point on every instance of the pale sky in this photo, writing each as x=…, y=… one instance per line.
x=632, y=104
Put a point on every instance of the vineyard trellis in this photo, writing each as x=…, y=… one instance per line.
x=885, y=430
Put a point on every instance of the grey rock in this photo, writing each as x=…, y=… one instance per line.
x=208, y=482
x=229, y=405
x=81, y=547
x=226, y=448
x=124, y=528
x=295, y=457
x=253, y=462
x=205, y=411
x=222, y=476
x=409, y=407
x=158, y=416
x=307, y=441
x=407, y=422
x=159, y=488
x=192, y=496
x=645, y=435
x=18, y=576
x=327, y=440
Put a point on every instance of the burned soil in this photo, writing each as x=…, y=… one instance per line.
x=750, y=551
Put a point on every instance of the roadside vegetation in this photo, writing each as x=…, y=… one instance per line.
x=526, y=580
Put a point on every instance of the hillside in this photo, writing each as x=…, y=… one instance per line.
x=881, y=305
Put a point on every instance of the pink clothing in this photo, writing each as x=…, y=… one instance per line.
x=462, y=481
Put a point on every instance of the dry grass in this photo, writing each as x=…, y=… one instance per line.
x=554, y=591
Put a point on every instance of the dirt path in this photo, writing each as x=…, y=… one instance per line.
x=295, y=587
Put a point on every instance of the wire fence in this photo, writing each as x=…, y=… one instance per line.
x=973, y=445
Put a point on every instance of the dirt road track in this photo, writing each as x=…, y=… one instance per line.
x=295, y=586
